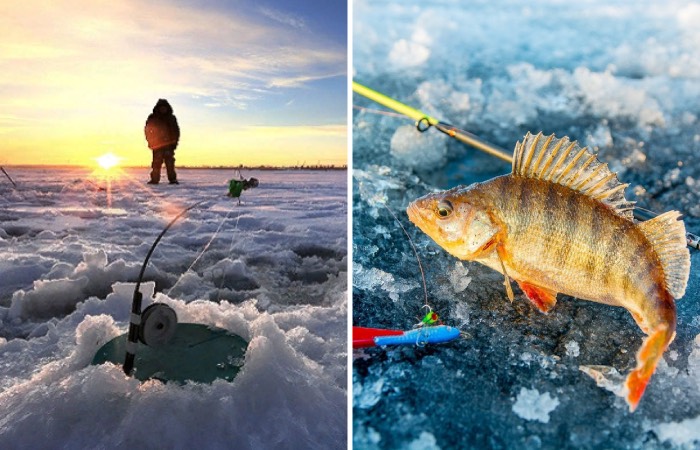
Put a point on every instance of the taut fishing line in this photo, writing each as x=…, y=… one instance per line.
x=230, y=249
x=204, y=249
x=420, y=265
x=379, y=112
x=382, y=201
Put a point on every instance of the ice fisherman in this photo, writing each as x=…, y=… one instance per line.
x=162, y=133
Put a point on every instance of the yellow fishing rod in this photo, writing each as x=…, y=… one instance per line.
x=424, y=122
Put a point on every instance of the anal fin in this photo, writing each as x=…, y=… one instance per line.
x=543, y=299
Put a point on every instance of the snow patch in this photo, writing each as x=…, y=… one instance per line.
x=405, y=54
x=459, y=278
x=424, y=441
x=371, y=278
x=367, y=395
x=572, y=349
x=421, y=150
x=685, y=432
x=531, y=405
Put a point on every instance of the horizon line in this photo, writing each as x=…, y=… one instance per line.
x=222, y=167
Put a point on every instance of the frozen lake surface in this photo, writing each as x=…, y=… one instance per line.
x=623, y=78
x=272, y=270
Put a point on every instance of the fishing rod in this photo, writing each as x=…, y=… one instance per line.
x=425, y=121
x=156, y=324
x=8, y=177
x=164, y=315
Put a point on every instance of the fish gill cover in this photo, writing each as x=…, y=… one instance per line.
x=623, y=79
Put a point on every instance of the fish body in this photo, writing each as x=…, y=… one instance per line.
x=559, y=223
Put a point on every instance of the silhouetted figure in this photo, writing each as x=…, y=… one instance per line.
x=162, y=134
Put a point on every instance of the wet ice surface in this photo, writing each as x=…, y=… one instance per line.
x=275, y=274
x=622, y=78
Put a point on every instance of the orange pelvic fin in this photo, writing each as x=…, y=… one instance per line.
x=542, y=298
x=648, y=356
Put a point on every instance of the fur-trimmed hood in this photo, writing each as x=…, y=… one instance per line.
x=163, y=102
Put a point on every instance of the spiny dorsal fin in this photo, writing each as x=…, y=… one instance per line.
x=563, y=162
x=667, y=235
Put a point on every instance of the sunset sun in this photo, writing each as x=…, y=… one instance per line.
x=107, y=161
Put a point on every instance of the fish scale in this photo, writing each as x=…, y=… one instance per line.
x=560, y=223
x=565, y=244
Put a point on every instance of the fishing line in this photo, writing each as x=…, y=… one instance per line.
x=230, y=250
x=206, y=247
x=420, y=265
x=382, y=202
x=379, y=112
x=135, y=322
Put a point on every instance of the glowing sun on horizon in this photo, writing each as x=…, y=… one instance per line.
x=107, y=161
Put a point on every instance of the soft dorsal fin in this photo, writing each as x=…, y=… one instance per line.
x=667, y=236
x=563, y=162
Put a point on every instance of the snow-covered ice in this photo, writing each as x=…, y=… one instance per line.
x=531, y=405
x=275, y=273
x=622, y=77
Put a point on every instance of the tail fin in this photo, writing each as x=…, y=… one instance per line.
x=667, y=234
x=648, y=356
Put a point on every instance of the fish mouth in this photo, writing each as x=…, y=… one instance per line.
x=417, y=215
x=414, y=214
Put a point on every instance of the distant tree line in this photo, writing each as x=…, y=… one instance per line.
x=270, y=167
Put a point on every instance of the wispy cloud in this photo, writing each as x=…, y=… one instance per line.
x=285, y=18
x=90, y=48
x=300, y=80
x=335, y=130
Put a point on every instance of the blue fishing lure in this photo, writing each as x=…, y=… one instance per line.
x=421, y=336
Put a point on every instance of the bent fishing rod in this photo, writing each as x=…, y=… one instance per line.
x=425, y=121
x=8, y=177
x=136, y=316
x=161, y=315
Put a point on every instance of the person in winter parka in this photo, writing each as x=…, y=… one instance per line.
x=162, y=134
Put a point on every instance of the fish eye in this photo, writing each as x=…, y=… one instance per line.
x=444, y=208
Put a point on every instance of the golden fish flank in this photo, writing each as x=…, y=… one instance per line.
x=560, y=223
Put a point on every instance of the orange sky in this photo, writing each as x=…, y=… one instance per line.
x=248, y=85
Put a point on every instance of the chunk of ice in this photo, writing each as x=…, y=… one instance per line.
x=531, y=405
x=405, y=54
x=572, y=349
x=425, y=441
x=367, y=395
x=459, y=278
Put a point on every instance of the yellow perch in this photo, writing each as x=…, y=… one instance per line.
x=560, y=223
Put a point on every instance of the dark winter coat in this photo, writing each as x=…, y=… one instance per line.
x=162, y=130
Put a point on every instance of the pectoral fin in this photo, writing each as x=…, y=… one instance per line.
x=509, y=289
x=542, y=298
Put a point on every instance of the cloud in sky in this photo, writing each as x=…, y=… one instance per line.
x=144, y=45
x=288, y=19
x=74, y=66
